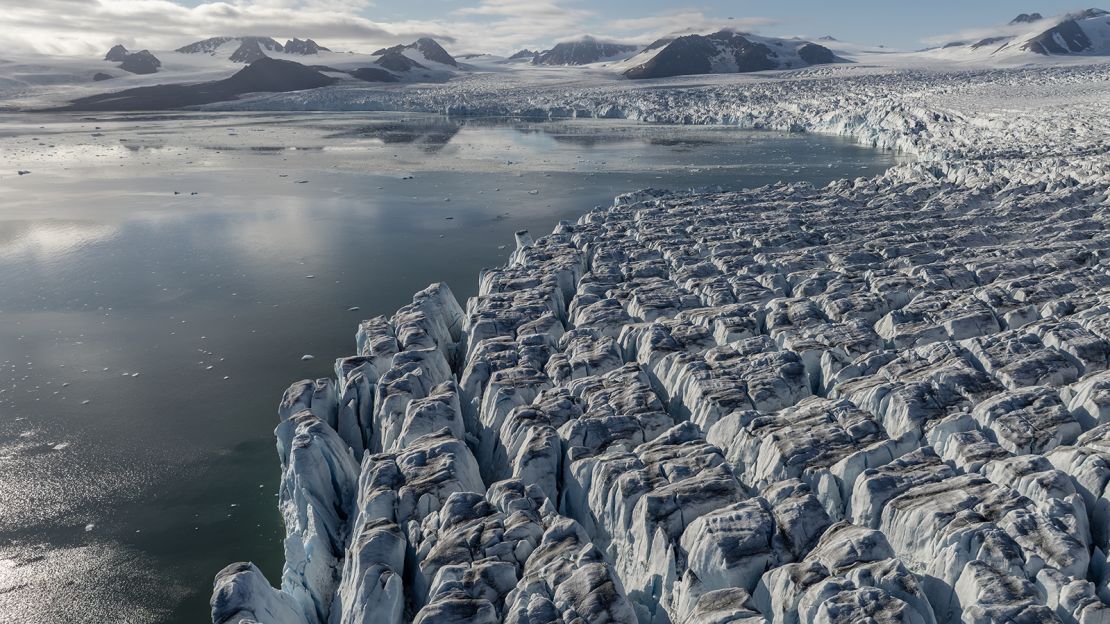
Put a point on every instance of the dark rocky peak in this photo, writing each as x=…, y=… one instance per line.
x=434, y=52
x=307, y=46
x=141, y=62
x=815, y=54
x=249, y=51
x=116, y=54
x=1027, y=18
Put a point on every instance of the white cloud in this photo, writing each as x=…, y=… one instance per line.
x=84, y=27
x=685, y=23
x=90, y=27
x=971, y=35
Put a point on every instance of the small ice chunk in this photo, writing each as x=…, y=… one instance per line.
x=306, y=357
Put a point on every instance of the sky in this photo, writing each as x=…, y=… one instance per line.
x=87, y=27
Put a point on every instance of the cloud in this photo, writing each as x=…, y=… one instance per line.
x=685, y=23
x=507, y=25
x=82, y=27
x=89, y=27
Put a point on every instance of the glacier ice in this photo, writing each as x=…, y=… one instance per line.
x=883, y=400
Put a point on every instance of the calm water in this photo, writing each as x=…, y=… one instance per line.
x=161, y=277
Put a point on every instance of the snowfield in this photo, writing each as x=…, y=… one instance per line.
x=884, y=400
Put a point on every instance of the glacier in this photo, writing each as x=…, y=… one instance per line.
x=886, y=399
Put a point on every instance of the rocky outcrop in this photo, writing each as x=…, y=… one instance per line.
x=116, y=54
x=141, y=62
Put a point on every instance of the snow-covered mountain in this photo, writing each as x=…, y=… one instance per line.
x=423, y=51
x=724, y=52
x=582, y=51
x=1083, y=33
x=524, y=54
x=250, y=49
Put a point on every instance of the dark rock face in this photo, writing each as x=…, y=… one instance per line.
x=277, y=76
x=265, y=75
x=307, y=46
x=116, y=54
x=395, y=61
x=1049, y=42
x=581, y=52
x=429, y=48
x=684, y=56
x=1027, y=18
x=142, y=62
x=248, y=52
x=693, y=54
x=523, y=54
x=816, y=54
x=434, y=52
x=373, y=74
x=101, y=76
